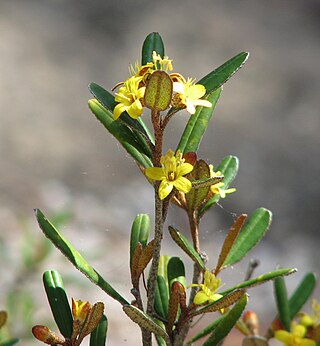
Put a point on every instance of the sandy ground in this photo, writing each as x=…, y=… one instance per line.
x=56, y=156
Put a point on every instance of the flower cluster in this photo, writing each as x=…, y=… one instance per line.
x=186, y=94
x=305, y=331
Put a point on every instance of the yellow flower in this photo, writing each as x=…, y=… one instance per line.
x=171, y=173
x=295, y=338
x=217, y=188
x=187, y=94
x=80, y=310
x=129, y=97
x=208, y=289
x=312, y=320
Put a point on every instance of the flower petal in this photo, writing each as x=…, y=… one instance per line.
x=118, y=110
x=154, y=173
x=182, y=184
x=196, y=91
x=200, y=298
x=164, y=189
x=135, y=110
x=282, y=335
x=185, y=168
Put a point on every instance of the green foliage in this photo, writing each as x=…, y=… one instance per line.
x=99, y=335
x=252, y=232
x=160, y=305
x=282, y=302
x=197, y=125
x=226, y=323
x=153, y=42
x=58, y=300
x=75, y=258
x=215, y=79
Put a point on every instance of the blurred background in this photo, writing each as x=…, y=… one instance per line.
x=55, y=156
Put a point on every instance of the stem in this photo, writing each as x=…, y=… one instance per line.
x=158, y=234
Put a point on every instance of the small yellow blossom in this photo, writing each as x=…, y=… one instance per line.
x=171, y=173
x=80, y=310
x=208, y=289
x=217, y=188
x=187, y=94
x=129, y=97
x=313, y=319
x=296, y=337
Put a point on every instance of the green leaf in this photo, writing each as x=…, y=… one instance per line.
x=186, y=246
x=75, y=258
x=282, y=302
x=102, y=95
x=302, y=293
x=138, y=127
x=251, y=233
x=140, y=231
x=229, y=168
x=176, y=271
x=197, y=125
x=58, y=301
x=227, y=323
x=162, y=297
x=153, y=42
x=220, y=75
x=121, y=132
x=144, y=321
x=261, y=279
x=99, y=335
x=10, y=342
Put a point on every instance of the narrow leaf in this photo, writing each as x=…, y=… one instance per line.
x=229, y=241
x=222, y=303
x=153, y=42
x=201, y=171
x=137, y=126
x=75, y=258
x=220, y=75
x=173, y=308
x=252, y=232
x=140, y=231
x=282, y=302
x=145, y=257
x=176, y=271
x=186, y=246
x=197, y=125
x=262, y=279
x=229, y=168
x=162, y=298
x=144, y=321
x=121, y=132
x=99, y=335
x=302, y=293
x=58, y=300
x=227, y=323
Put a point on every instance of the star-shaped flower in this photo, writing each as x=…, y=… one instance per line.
x=208, y=289
x=171, y=173
x=295, y=337
x=187, y=94
x=129, y=97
